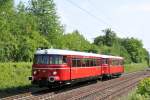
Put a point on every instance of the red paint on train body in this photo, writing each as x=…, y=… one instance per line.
x=54, y=66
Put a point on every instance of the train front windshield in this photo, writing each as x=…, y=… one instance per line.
x=49, y=59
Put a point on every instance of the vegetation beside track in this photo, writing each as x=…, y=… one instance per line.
x=142, y=92
x=135, y=67
x=14, y=75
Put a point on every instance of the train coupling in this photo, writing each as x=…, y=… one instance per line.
x=30, y=78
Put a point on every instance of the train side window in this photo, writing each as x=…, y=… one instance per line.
x=87, y=62
x=90, y=62
x=118, y=62
x=83, y=62
x=74, y=62
x=64, y=59
x=94, y=62
x=121, y=62
x=113, y=62
x=78, y=62
x=98, y=62
x=104, y=61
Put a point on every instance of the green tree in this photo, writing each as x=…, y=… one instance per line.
x=75, y=41
x=110, y=37
x=99, y=41
x=7, y=40
x=134, y=46
x=48, y=21
x=6, y=6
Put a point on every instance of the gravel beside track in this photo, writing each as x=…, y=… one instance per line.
x=99, y=90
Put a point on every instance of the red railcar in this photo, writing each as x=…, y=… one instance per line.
x=112, y=65
x=53, y=67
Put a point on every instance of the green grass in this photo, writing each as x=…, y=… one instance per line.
x=135, y=67
x=13, y=75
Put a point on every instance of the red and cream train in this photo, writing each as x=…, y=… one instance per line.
x=54, y=67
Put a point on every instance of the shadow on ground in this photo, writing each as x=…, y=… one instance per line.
x=14, y=91
x=33, y=89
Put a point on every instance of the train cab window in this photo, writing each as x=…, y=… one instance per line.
x=60, y=59
x=45, y=59
x=55, y=59
x=37, y=59
x=41, y=59
x=48, y=59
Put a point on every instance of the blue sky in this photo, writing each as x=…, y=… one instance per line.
x=128, y=18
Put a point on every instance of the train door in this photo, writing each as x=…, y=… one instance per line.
x=73, y=68
x=109, y=65
x=105, y=66
x=99, y=68
x=69, y=64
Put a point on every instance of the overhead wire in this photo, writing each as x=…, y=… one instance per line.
x=94, y=16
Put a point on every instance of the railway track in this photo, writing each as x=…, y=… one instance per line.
x=108, y=92
x=92, y=92
x=104, y=90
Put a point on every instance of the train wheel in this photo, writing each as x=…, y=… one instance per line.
x=100, y=78
x=119, y=75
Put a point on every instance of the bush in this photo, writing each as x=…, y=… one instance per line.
x=144, y=87
x=14, y=75
x=142, y=92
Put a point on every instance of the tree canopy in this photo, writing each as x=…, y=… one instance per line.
x=130, y=48
x=23, y=29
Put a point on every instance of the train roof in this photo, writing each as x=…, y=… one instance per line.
x=69, y=52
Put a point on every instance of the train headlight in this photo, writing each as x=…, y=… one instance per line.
x=34, y=72
x=54, y=73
